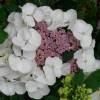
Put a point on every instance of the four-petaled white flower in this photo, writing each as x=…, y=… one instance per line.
x=27, y=39
x=86, y=60
x=82, y=31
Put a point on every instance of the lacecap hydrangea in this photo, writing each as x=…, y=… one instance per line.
x=31, y=57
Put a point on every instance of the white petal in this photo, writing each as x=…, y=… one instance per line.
x=26, y=34
x=81, y=29
x=25, y=66
x=28, y=47
x=14, y=62
x=86, y=61
x=45, y=90
x=48, y=20
x=77, y=53
x=38, y=15
x=56, y=21
x=8, y=88
x=4, y=71
x=26, y=78
x=49, y=74
x=96, y=95
x=3, y=61
x=20, y=88
x=29, y=55
x=18, y=41
x=16, y=50
x=86, y=41
x=13, y=75
x=70, y=17
x=35, y=95
x=11, y=30
x=56, y=63
x=58, y=72
x=47, y=12
x=31, y=86
x=46, y=9
x=11, y=17
x=39, y=76
x=36, y=38
x=66, y=69
x=93, y=43
x=40, y=92
x=33, y=42
x=28, y=8
x=28, y=20
x=19, y=24
x=57, y=15
x=49, y=61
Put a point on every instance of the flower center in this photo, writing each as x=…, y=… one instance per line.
x=54, y=43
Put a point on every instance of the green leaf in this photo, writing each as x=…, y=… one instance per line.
x=64, y=5
x=67, y=55
x=51, y=97
x=93, y=80
x=87, y=10
x=15, y=97
x=78, y=78
x=3, y=36
x=44, y=2
x=3, y=17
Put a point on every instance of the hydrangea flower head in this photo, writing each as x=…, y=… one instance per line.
x=33, y=57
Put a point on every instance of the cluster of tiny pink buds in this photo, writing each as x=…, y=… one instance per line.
x=54, y=43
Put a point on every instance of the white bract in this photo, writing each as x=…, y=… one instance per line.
x=31, y=86
x=95, y=95
x=28, y=8
x=18, y=22
x=86, y=41
x=38, y=15
x=82, y=31
x=86, y=60
x=10, y=88
x=11, y=18
x=41, y=91
x=54, y=68
x=39, y=76
x=47, y=12
x=70, y=18
x=56, y=63
x=56, y=21
x=15, y=20
x=16, y=50
x=11, y=30
x=20, y=64
x=29, y=21
x=50, y=75
x=5, y=50
x=62, y=19
x=27, y=39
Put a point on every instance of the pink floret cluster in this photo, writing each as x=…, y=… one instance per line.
x=54, y=43
x=73, y=67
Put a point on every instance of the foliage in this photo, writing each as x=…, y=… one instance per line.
x=68, y=92
x=93, y=80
